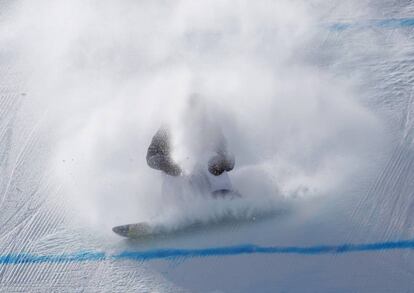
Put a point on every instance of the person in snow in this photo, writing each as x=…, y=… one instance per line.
x=197, y=152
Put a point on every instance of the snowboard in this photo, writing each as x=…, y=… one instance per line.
x=148, y=230
x=137, y=230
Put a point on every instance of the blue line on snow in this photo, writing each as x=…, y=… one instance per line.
x=204, y=252
x=390, y=23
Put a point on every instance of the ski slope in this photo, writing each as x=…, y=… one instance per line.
x=315, y=98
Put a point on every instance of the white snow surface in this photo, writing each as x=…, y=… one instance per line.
x=320, y=119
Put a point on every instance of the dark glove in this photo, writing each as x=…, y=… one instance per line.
x=171, y=168
x=220, y=163
x=165, y=164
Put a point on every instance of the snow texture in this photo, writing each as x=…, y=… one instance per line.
x=314, y=97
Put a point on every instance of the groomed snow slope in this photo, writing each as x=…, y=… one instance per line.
x=317, y=102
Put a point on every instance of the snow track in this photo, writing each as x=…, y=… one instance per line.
x=359, y=240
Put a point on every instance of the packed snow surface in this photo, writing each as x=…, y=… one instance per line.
x=315, y=99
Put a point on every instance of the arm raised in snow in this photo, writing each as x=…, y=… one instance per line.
x=224, y=161
x=159, y=154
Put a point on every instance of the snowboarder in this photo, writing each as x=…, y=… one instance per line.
x=204, y=142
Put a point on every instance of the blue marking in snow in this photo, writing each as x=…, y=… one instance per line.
x=391, y=23
x=23, y=258
x=395, y=23
x=205, y=252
